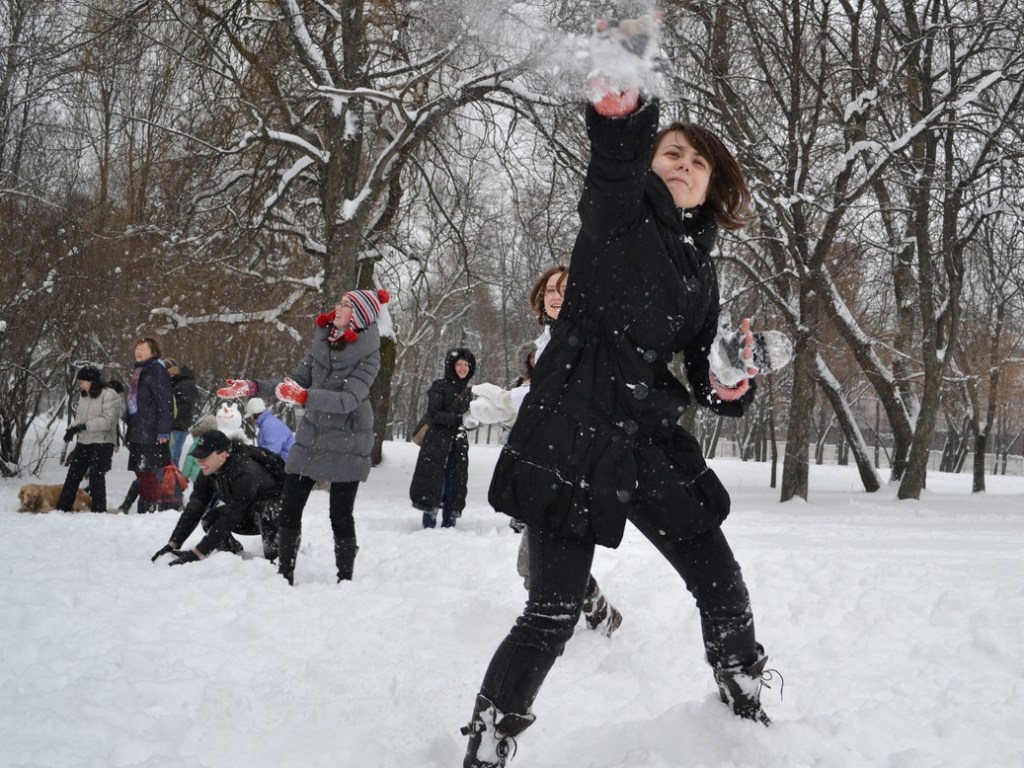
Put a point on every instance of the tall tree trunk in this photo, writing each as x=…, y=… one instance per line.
x=796, y=465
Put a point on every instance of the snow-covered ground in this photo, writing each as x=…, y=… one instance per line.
x=898, y=627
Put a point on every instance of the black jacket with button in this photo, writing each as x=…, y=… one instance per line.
x=239, y=484
x=447, y=400
x=597, y=435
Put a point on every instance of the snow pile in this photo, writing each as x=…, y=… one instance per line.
x=897, y=626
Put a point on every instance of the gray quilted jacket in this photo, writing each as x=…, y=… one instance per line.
x=335, y=437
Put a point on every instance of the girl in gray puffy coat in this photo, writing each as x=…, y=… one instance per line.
x=335, y=437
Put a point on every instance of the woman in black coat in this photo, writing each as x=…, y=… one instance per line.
x=597, y=439
x=442, y=468
x=149, y=416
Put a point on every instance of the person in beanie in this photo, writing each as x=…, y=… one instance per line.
x=442, y=467
x=150, y=417
x=271, y=433
x=335, y=436
x=250, y=496
x=95, y=426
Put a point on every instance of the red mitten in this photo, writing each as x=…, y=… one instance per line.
x=290, y=392
x=729, y=394
x=325, y=318
x=612, y=103
x=237, y=388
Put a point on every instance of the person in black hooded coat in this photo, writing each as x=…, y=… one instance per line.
x=597, y=439
x=442, y=468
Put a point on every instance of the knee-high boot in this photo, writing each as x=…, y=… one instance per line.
x=288, y=549
x=492, y=735
x=345, y=557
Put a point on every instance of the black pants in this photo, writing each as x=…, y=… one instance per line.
x=343, y=499
x=559, y=570
x=261, y=518
x=93, y=458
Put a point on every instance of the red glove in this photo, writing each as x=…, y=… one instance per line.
x=611, y=102
x=729, y=393
x=237, y=388
x=290, y=392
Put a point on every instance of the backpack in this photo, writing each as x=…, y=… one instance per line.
x=270, y=461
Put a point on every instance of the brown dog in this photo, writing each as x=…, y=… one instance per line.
x=42, y=498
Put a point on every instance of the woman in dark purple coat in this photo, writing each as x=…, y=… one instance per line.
x=149, y=416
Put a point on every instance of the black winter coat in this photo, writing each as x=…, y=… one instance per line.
x=239, y=483
x=447, y=400
x=597, y=435
x=185, y=396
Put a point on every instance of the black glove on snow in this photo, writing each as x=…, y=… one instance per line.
x=163, y=551
x=184, y=556
x=69, y=435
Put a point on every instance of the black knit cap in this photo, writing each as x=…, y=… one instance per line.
x=89, y=373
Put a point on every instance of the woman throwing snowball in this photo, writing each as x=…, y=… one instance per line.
x=597, y=440
x=335, y=437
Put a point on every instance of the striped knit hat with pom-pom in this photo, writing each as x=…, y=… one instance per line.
x=365, y=309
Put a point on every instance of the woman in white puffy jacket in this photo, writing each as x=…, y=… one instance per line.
x=95, y=426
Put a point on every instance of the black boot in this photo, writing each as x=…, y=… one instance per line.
x=130, y=497
x=232, y=545
x=492, y=735
x=288, y=548
x=267, y=515
x=740, y=687
x=601, y=615
x=345, y=557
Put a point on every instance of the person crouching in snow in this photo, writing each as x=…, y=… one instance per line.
x=250, y=496
x=442, y=467
x=335, y=436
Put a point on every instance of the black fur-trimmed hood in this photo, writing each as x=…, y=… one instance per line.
x=453, y=356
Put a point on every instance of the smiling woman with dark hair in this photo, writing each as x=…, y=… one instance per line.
x=597, y=441
x=442, y=467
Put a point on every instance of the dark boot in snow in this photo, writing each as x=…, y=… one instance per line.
x=267, y=514
x=345, y=557
x=232, y=545
x=288, y=548
x=492, y=735
x=601, y=615
x=130, y=497
x=740, y=687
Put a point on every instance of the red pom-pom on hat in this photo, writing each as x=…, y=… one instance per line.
x=349, y=335
x=383, y=296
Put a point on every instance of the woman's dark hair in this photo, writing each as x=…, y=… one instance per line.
x=154, y=346
x=537, y=292
x=728, y=193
